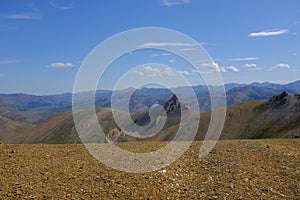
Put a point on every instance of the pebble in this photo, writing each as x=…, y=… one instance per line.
x=71, y=173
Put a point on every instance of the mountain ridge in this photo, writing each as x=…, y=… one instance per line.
x=43, y=107
x=278, y=117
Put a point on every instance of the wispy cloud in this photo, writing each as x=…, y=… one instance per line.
x=165, y=44
x=25, y=16
x=233, y=69
x=244, y=59
x=165, y=54
x=214, y=67
x=61, y=65
x=266, y=33
x=188, y=49
x=159, y=72
x=227, y=69
x=153, y=55
x=282, y=65
x=6, y=62
x=60, y=7
x=222, y=69
x=175, y=2
x=154, y=71
x=211, y=65
x=183, y=72
x=252, y=65
x=157, y=55
x=171, y=60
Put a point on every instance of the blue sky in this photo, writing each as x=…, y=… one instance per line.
x=43, y=43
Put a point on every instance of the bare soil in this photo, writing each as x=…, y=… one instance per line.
x=238, y=169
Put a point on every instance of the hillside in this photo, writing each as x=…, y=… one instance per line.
x=13, y=114
x=277, y=117
x=242, y=94
x=43, y=106
x=12, y=131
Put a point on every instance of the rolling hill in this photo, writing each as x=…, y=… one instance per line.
x=12, y=131
x=13, y=114
x=278, y=117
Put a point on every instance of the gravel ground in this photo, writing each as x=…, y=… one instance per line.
x=245, y=169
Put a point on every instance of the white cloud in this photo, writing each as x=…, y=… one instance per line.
x=175, y=2
x=188, y=49
x=6, y=62
x=233, y=69
x=269, y=33
x=282, y=65
x=162, y=54
x=61, y=65
x=22, y=16
x=244, y=59
x=153, y=55
x=152, y=71
x=155, y=72
x=205, y=43
x=164, y=44
x=183, y=72
x=222, y=69
x=250, y=65
x=213, y=65
x=171, y=61
x=60, y=7
x=168, y=71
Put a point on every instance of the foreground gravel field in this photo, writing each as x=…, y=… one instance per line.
x=246, y=169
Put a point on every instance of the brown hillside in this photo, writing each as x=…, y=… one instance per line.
x=12, y=131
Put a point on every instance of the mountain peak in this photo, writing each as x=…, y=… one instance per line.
x=283, y=99
x=172, y=105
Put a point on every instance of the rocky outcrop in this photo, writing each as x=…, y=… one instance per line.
x=276, y=117
x=172, y=105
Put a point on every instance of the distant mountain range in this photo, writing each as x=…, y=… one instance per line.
x=254, y=111
x=40, y=108
x=278, y=117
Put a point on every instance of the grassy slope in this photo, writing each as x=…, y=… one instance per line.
x=240, y=119
x=12, y=131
